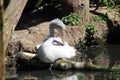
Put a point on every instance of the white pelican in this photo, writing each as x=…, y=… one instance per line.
x=54, y=48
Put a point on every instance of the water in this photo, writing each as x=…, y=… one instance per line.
x=108, y=56
x=66, y=75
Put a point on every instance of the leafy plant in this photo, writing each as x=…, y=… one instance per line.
x=80, y=77
x=108, y=3
x=99, y=18
x=90, y=28
x=105, y=2
x=72, y=19
x=117, y=14
x=113, y=3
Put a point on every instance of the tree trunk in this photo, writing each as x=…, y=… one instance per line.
x=2, y=50
x=77, y=6
x=10, y=14
x=13, y=13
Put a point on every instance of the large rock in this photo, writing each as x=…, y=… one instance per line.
x=35, y=35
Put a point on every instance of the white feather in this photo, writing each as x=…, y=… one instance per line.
x=48, y=52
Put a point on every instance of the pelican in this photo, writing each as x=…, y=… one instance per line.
x=54, y=48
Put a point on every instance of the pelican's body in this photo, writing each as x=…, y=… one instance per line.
x=50, y=51
x=53, y=48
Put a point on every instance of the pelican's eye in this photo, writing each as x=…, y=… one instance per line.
x=59, y=28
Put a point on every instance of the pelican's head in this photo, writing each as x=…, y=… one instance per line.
x=58, y=25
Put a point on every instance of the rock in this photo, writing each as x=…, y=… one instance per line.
x=28, y=45
x=35, y=35
x=114, y=17
x=28, y=61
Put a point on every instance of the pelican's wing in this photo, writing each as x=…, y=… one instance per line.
x=58, y=41
x=56, y=52
x=50, y=53
x=55, y=42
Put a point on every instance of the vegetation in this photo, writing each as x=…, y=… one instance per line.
x=109, y=76
x=90, y=28
x=108, y=3
x=72, y=19
x=112, y=3
x=117, y=14
x=80, y=77
x=99, y=18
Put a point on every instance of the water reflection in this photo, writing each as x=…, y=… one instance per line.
x=53, y=75
x=98, y=55
x=66, y=75
x=114, y=52
x=47, y=75
x=107, y=56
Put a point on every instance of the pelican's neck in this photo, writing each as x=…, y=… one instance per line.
x=51, y=31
